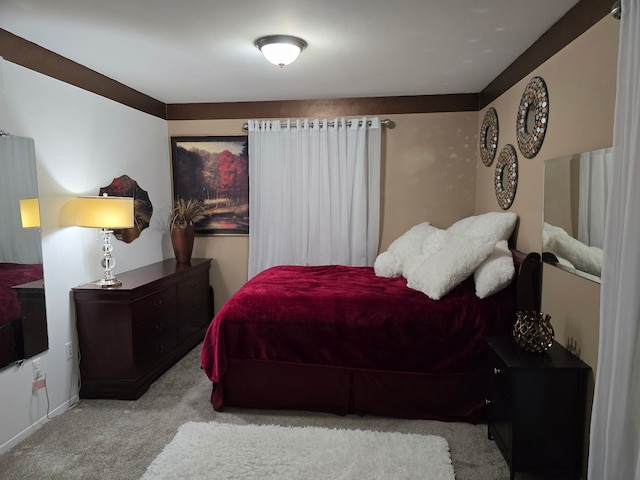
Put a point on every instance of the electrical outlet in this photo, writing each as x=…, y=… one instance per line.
x=69, y=350
x=38, y=373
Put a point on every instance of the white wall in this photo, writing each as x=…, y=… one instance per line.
x=83, y=141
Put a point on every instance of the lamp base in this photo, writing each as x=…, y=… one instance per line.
x=109, y=283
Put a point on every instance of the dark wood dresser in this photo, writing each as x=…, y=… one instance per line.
x=537, y=408
x=129, y=336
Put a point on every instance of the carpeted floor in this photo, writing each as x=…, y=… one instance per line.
x=117, y=440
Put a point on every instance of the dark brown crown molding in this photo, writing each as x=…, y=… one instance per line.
x=579, y=19
x=34, y=57
x=324, y=107
x=574, y=23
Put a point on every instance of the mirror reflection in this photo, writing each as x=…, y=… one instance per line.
x=531, y=120
x=575, y=196
x=23, y=326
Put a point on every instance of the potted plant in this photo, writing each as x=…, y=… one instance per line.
x=183, y=214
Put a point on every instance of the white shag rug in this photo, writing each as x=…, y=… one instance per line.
x=245, y=452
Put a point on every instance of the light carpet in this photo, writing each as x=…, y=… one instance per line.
x=223, y=451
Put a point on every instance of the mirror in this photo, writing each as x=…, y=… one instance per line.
x=575, y=194
x=23, y=325
x=125, y=186
x=506, y=176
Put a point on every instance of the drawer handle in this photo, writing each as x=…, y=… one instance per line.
x=497, y=371
x=159, y=326
x=158, y=304
x=487, y=401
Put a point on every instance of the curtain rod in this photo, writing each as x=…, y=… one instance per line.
x=385, y=123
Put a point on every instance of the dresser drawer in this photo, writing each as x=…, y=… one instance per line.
x=499, y=377
x=193, y=285
x=157, y=303
x=193, y=316
x=154, y=328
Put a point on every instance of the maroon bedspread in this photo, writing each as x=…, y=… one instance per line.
x=348, y=317
x=12, y=274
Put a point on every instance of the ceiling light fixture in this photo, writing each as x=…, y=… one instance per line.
x=280, y=50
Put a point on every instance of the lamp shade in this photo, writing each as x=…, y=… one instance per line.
x=104, y=212
x=30, y=212
x=280, y=50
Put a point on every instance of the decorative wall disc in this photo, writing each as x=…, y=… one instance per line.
x=489, y=136
x=506, y=176
x=533, y=117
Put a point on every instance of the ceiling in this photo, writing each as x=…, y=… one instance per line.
x=192, y=51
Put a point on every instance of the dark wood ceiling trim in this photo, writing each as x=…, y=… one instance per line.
x=580, y=18
x=574, y=23
x=34, y=57
x=324, y=107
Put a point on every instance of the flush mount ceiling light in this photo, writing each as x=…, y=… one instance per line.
x=280, y=50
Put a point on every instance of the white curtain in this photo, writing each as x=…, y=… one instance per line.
x=615, y=425
x=596, y=171
x=314, y=192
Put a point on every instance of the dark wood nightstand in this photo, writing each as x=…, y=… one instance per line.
x=537, y=408
x=130, y=335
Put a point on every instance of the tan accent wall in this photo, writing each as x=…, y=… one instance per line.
x=581, y=81
x=432, y=172
x=428, y=174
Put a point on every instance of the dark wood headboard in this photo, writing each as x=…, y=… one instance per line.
x=529, y=280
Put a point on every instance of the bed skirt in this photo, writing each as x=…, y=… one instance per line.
x=288, y=386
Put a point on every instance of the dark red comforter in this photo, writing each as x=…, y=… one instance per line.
x=348, y=317
x=12, y=274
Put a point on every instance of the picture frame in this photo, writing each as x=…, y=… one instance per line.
x=214, y=170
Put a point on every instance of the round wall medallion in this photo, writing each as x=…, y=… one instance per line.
x=489, y=136
x=506, y=176
x=533, y=117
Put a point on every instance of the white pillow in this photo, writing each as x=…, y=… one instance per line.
x=387, y=265
x=449, y=260
x=494, y=225
x=572, y=251
x=496, y=272
x=409, y=244
x=411, y=264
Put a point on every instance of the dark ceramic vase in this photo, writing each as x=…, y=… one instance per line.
x=182, y=237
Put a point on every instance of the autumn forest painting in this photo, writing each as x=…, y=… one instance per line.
x=215, y=172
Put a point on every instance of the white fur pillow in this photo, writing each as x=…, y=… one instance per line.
x=409, y=244
x=448, y=260
x=569, y=250
x=496, y=272
x=494, y=225
x=387, y=265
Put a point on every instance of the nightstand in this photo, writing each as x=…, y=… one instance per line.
x=537, y=407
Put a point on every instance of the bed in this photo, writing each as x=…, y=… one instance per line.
x=349, y=340
x=12, y=274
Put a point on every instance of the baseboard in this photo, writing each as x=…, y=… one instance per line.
x=38, y=424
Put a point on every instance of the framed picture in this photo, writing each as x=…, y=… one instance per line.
x=215, y=172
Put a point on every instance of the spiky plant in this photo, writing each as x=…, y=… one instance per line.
x=186, y=211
